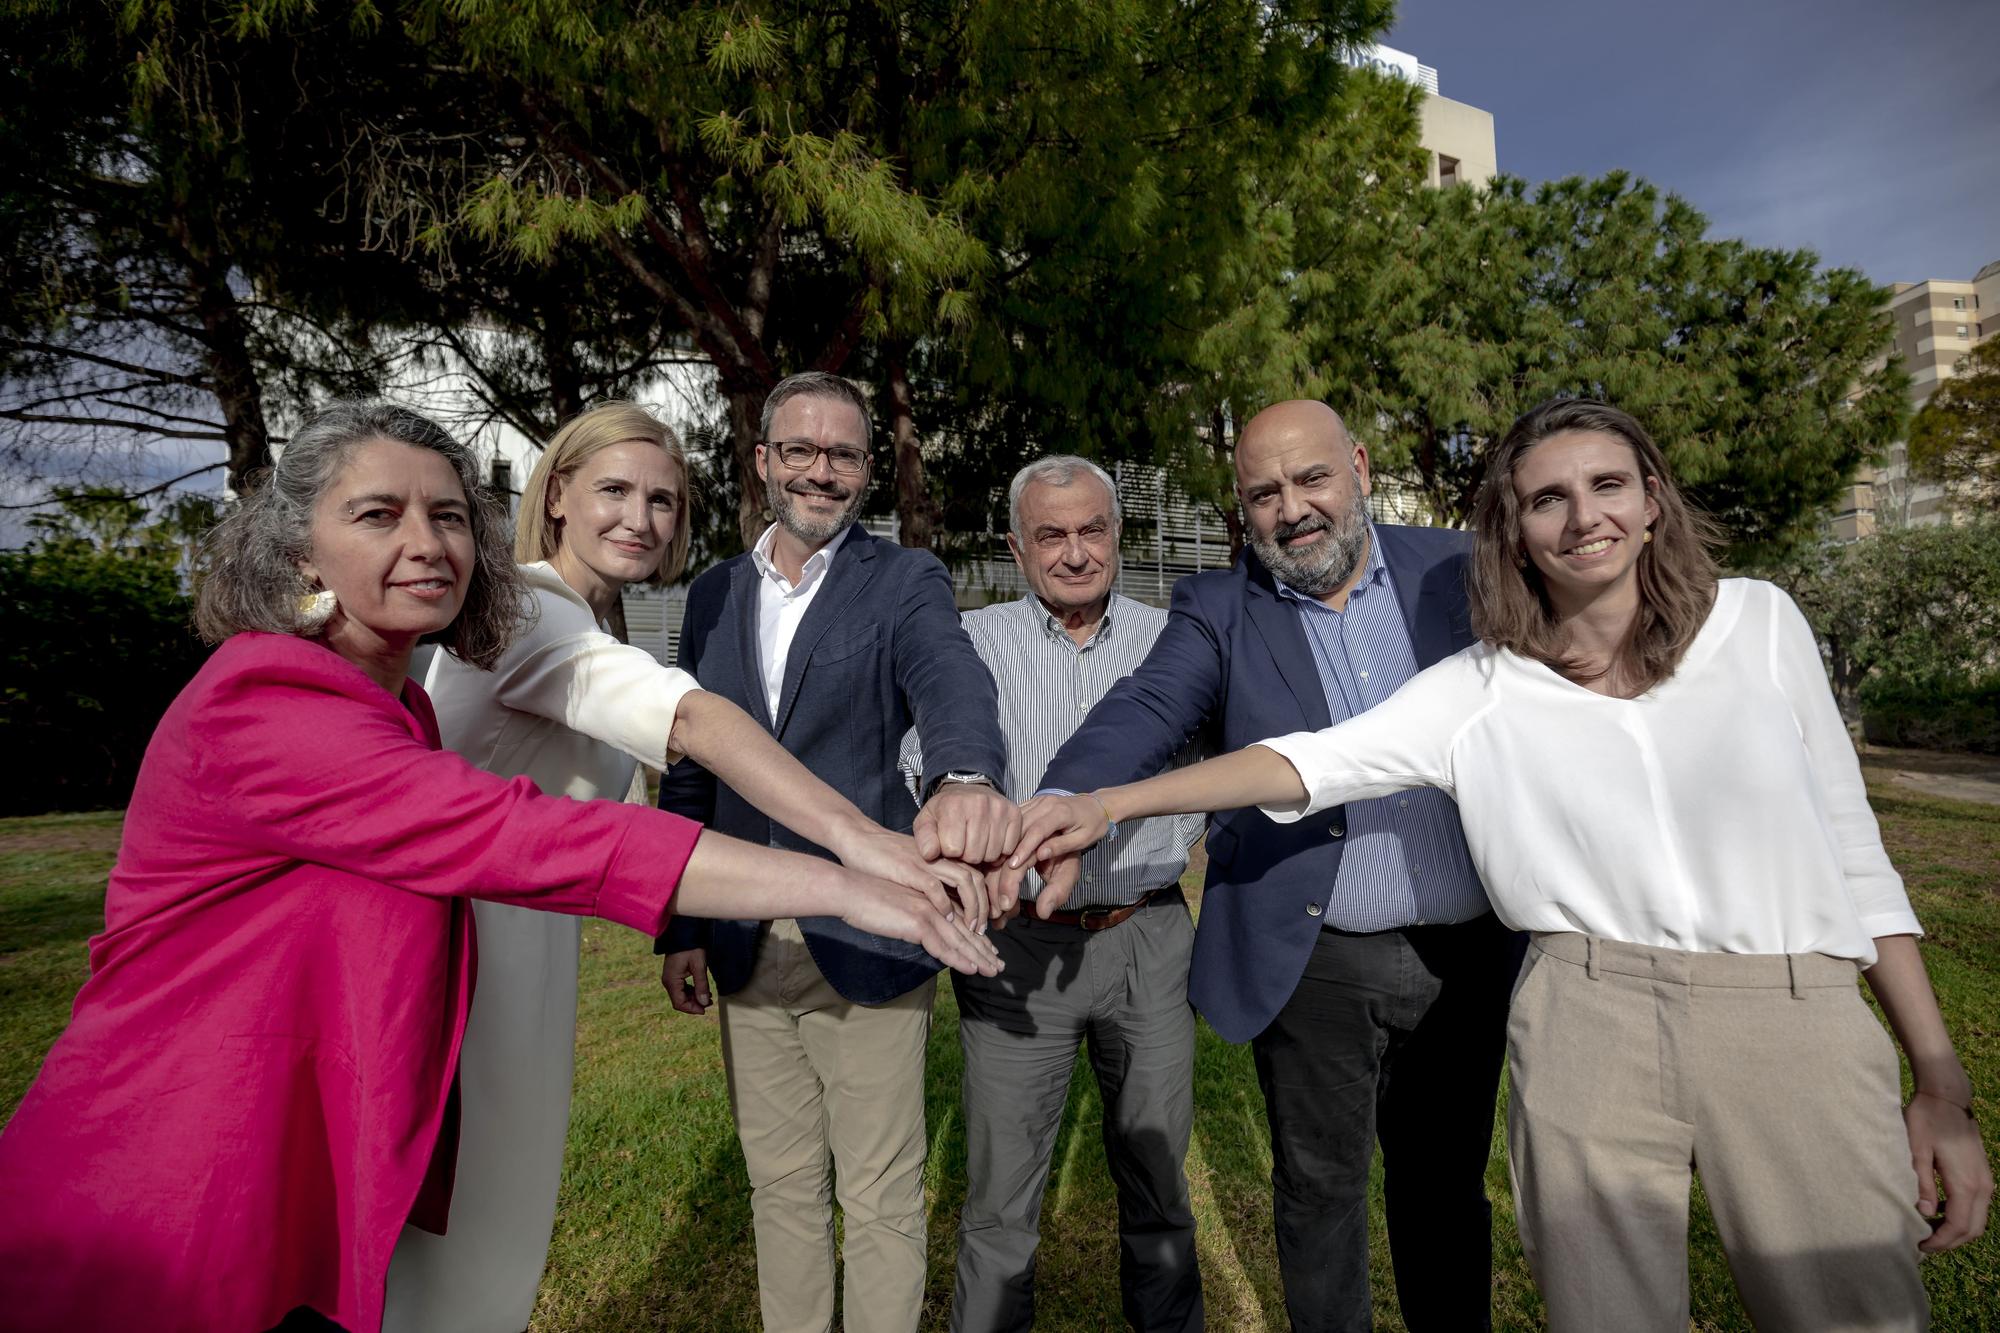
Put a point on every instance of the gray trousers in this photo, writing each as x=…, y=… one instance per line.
x=1124, y=992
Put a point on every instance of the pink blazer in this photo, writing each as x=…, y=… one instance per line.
x=255, y=1089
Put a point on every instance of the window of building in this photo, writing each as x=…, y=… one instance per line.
x=1958, y=303
x=1961, y=330
x=1447, y=170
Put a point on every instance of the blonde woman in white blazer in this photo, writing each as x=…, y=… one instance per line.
x=577, y=711
x=1654, y=781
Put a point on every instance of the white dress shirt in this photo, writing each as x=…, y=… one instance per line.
x=1722, y=811
x=781, y=605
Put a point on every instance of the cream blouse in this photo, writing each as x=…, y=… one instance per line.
x=1722, y=811
x=567, y=706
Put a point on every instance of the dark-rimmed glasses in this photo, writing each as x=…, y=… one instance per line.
x=800, y=455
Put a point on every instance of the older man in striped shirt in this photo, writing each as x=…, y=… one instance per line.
x=1112, y=967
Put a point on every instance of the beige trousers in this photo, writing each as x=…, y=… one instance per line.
x=829, y=1103
x=1768, y=1074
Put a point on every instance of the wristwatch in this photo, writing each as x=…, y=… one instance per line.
x=963, y=778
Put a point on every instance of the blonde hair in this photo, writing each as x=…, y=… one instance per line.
x=538, y=536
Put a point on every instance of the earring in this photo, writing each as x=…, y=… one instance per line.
x=314, y=609
x=1649, y=534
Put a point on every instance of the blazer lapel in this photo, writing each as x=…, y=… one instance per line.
x=1427, y=608
x=853, y=567
x=746, y=590
x=1279, y=624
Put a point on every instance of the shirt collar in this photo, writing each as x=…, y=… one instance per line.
x=1054, y=628
x=816, y=563
x=1376, y=574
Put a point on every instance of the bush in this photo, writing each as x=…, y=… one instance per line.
x=1935, y=717
x=1909, y=622
x=94, y=645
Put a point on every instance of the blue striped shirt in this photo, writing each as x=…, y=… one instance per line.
x=1048, y=683
x=1404, y=862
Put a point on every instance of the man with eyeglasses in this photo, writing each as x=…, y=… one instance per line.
x=1111, y=968
x=838, y=642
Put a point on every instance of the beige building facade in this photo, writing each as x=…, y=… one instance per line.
x=1937, y=323
x=1459, y=137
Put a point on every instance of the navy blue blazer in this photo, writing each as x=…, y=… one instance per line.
x=1233, y=663
x=880, y=649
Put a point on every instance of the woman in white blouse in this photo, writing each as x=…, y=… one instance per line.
x=577, y=711
x=1654, y=780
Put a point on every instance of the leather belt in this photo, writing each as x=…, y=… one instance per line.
x=1089, y=918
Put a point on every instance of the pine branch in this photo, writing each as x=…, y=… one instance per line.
x=131, y=368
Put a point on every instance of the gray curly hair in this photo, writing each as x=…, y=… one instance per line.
x=249, y=566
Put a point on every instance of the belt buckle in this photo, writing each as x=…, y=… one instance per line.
x=1096, y=918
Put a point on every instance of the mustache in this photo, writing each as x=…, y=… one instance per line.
x=806, y=486
x=1284, y=532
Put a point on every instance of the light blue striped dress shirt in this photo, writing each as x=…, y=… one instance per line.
x=1404, y=862
x=1047, y=685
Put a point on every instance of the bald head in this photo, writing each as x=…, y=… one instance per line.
x=1301, y=480
x=1286, y=426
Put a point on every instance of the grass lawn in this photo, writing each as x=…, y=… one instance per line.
x=654, y=1227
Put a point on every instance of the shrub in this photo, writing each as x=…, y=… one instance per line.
x=1909, y=622
x=1963, y=716
x=94, y=644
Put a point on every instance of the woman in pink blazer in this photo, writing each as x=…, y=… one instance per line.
x=256, y=1089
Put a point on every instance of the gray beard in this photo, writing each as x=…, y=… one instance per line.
x=813, y=532
x=1320, y=569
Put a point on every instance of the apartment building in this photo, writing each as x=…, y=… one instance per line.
x=1459, y=136
x=1937, y=323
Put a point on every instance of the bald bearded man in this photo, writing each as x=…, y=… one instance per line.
x=1355, y=951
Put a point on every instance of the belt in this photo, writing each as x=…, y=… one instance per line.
x=1090, y=918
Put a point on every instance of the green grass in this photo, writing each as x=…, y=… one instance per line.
x=654, y=1227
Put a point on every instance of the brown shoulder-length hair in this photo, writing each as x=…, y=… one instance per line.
x=537, y=536
x=1677, y=570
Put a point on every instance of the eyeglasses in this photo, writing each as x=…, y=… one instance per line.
x=799, y=455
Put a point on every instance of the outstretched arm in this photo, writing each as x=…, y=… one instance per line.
x=727, y=877
x=729, y=743
x=1058, y=829
x=1944, y=1139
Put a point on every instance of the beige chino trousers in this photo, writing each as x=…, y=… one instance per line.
x=1633, y=1067
x=829, y=1103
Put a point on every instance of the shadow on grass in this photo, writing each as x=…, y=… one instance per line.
x=1232, y=1152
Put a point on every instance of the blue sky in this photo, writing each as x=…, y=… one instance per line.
x=1865, y=130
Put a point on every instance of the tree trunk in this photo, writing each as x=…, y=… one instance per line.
x=225, y=345
x=1232, y=517
x=746, y=408
x=238, y=390
x=917, y=511
x=559, y=358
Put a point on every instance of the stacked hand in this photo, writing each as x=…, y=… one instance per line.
x=921, y=914
x=1048, y=833
x=952, y=886
x=891, y=887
